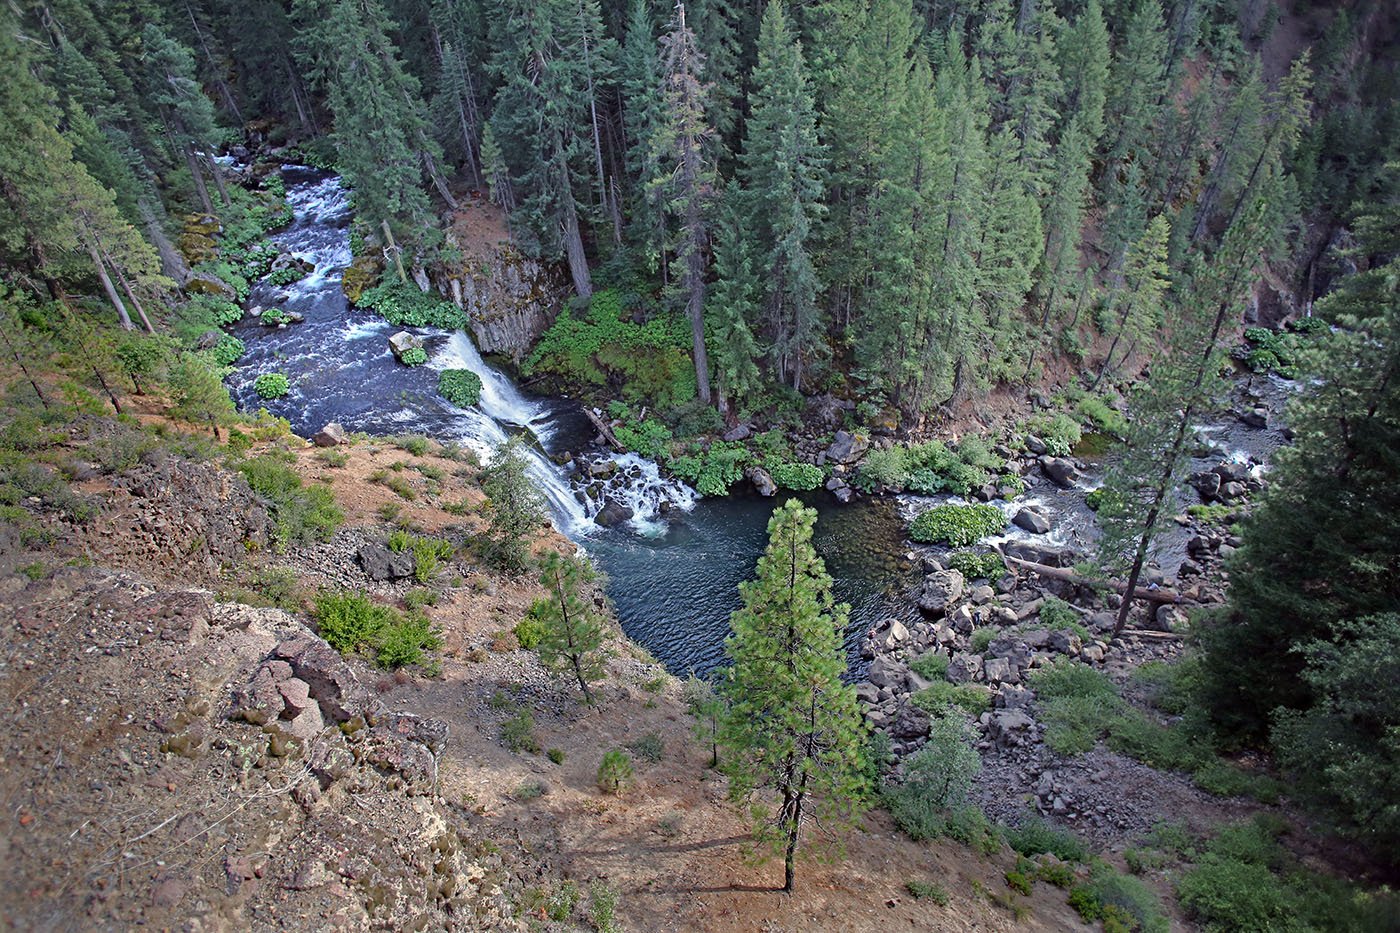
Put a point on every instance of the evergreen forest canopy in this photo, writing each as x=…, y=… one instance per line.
x=909, y=201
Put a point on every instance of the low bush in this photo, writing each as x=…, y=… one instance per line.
x=413, y=356
x=941, y=696
x=461, y=387
x=518, y=733
x=927, y=891
x=982, y=638
x=931, y=666
x=977, y=565
x=406, y=306
x=1036, y=837
x=529, y=630
x=300, y=513
x=1056, y=614
x=957, y=525
x=648, y=748
x=416, y=444
x=227, y=351
x=271, y=385
x=799, y=477
x=351, y=622
x=615, y=772
x=1060, y=432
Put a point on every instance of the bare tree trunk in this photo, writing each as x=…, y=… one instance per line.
x=392, y=250
x=107, y=286
x=200, y=188
x=19, y=361
x=126, y=287
x=171, y=262
x=573, y=237
x=218, y=174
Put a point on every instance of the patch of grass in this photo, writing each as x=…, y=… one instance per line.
x=396, y=484
x=428, y=471
x=957, y=525
x=418, y=597
x=615, y=772
x=555, y=755
x=34, y=571
x=1217, y=514
x=333, y=458
x=518, y=733
x=388, y=511
x=927, y=891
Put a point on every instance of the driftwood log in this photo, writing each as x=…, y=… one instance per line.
x=604, y=430
x=1170, y=597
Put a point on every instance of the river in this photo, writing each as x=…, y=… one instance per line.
x=673, y=571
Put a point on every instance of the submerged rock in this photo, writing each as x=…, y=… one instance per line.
x=613, y=513
x=402, y=342
x=1032, y=520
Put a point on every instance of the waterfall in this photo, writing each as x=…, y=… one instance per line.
x=341, y=370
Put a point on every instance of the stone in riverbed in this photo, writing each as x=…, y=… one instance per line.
x=1059, y=471
x=762, y=481
x=940, y=589
x=1032, y=520
x=402, y=342
x=613, y=513
x=847, y=447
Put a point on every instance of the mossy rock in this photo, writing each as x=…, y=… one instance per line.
x=361, y=275
x=198, y=247
x=203, y=224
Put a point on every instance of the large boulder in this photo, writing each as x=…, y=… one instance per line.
x=847, y=448
x=939, y=590
x=331, y=681
x=1059, y=471
x=613, y=513
x=839, y=488
x=332, y=435
x=381, y=564
x=1010, y=727
x=762, y=481
x=884, y=672
x=1032, y=520
x=740, y=433
x=402, y=342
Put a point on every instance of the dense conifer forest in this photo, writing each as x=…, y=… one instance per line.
x=812, y=246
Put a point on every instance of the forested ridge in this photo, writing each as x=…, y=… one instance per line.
x=899, y=249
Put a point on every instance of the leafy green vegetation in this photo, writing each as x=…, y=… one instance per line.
x=957, y=525
x=403, y=305
x=227, y=351
x=978, y=564
x=461, y=387
x=351, y=622
x=271, y=385
x=938, y=698
x=302, y=513
x=615, y=772
x=413, y=356
x=799, y=477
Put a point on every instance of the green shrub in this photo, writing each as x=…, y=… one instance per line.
x=602, y=907
x=957, y=525
x=351, y=622
x=532, y=790
x=530, y=629
x=300, y=513
x=982, y=638
x=335, y=459
x=406, y=306
x=1056, y=614
x=518, y=733
x=927, y=891
x=555, y=755
x=888, y=469
x=271, y=385
x=1096, y=411
x=461, y=387
x=415, y=444
x=227, y=351
x=937, y=780
x=1036, y=837
x=420, y=596
x=413, y=356
x=1133, y=902
x=799, y=477
x=615, y=772
x=648, y=748
x=931, y=666
x=1227, y=894
x=714, y=469
x=1057, y=873
x=938, y=698
x=1216, y=514
x=976, y=565
x=1060, y=432
x=1019, y=881
x=429, y=554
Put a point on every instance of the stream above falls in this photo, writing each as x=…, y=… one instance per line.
x=673, y=570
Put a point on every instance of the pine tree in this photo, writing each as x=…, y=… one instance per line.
x=188, y=115
x=730, y=308
x=1084, y=58
x=1320, y=546
x=572, y=637
x=1138, y=304
x=643, y=114
x=782, y=172
x=1137, y=83
x=541, y=123
x=687, y=179
x=381, y=127
x=514, y=506
x=793, y=729
x=1184, y=382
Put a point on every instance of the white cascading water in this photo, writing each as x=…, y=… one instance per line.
x=337, y=349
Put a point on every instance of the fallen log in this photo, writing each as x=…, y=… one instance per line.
x=604, y=430
x=1170, y=597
